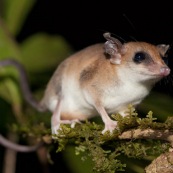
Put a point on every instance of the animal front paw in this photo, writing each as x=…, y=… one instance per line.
x=110, y=126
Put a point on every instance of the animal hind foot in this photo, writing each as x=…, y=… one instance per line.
x=57, y=126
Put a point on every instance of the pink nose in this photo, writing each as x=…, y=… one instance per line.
x=164, y=71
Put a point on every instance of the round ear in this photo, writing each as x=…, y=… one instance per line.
x=163, y=48
x=114, y=48
x=112, y=40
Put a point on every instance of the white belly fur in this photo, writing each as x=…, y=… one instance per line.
x=114, y=100
x=73, y=102
x=117, y=99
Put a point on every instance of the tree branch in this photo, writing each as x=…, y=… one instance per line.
x=148, y=134
x=163, y=164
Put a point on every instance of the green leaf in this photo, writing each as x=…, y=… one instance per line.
x=8, y=46
x=42, y=51
x=15, y=12
x=8, y=49
x=10, y=92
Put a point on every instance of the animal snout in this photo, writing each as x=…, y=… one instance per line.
x=165, y=71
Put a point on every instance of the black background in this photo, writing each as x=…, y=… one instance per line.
x=83, y=23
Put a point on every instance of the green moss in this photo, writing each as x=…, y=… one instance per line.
x=104, y=150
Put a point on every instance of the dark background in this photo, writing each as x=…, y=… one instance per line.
x=83, y=23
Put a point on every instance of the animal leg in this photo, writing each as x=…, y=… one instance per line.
x=110, y=125
x=56, y=119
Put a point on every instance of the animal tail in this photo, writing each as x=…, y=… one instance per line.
x=27, y=94
x=20, y=148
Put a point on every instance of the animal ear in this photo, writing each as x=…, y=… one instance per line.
x=163, y=48
x=114, y=48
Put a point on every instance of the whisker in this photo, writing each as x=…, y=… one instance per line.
x=129, y=21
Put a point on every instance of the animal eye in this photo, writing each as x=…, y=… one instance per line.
x=139, y=57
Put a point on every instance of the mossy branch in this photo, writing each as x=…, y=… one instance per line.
x=135, y=138
x=166, y=135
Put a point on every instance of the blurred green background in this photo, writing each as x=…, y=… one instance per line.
x=40, y=51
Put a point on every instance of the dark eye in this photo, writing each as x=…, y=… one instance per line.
x=139, y=57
